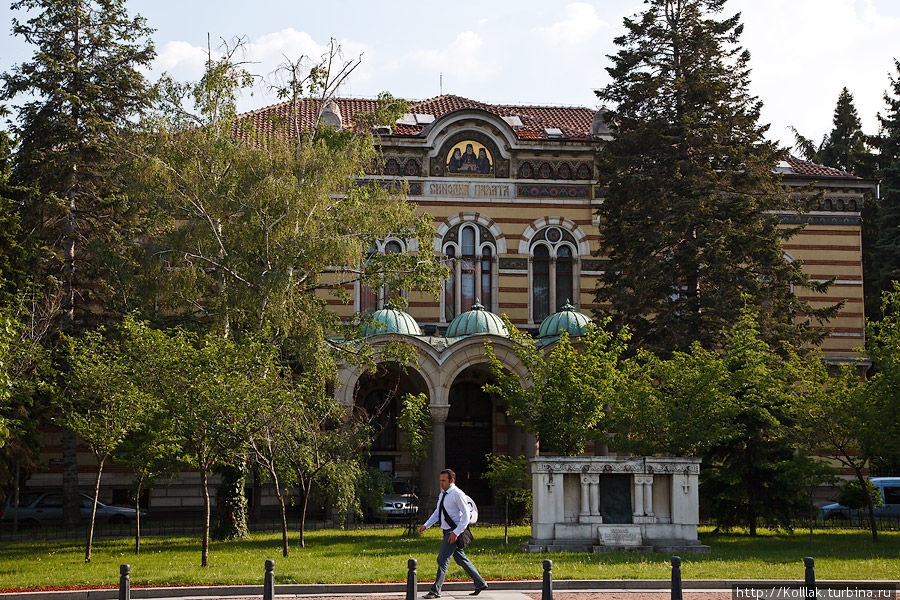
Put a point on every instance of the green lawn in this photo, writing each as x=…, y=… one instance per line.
x=381, y=555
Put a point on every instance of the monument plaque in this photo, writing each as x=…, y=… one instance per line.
x=620, y=535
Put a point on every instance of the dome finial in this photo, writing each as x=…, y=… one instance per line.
x=567, y=306
x=478, y=305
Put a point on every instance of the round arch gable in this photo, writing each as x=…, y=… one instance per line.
x=472, y=217
x=428, y=369
x=584, y=248
x=439, y=160
x=501, y=132
x=470, y=351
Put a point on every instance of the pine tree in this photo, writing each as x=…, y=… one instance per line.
x=846, y=147
x=687, y=221
x=84, y=86
x=885, y=241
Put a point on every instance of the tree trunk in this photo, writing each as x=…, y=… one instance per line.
x=284, y=525
x=71, y=505
x=137, y=515
x=863, y=483
x=90, y=540
x=204, y=551
x=15, y=523
x=305, y=490
x=506, y=519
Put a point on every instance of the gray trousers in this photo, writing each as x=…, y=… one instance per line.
x=443, y=561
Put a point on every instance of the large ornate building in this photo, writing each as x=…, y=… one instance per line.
x=513, y=196
x=512, y=193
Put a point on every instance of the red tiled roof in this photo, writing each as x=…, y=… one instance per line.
x=574, y=122
x=804, y=167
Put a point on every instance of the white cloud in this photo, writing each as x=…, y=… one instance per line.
x=805, y=51
x=464, y=58
x=181, y=59
x=580, y=24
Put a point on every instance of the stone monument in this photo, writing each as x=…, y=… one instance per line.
x=605, y=504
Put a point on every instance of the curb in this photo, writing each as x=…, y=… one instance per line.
x=529, y=585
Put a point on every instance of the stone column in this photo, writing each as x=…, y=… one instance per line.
x=585, y=498
x=595, y=497
x=648, y=494
x=638, y=496
x=438, y=453
x=643, y=499
x=554, y=301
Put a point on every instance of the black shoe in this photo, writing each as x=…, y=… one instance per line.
x=431, y=595
x=478, y=590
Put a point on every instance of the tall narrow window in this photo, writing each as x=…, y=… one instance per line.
x=467, y=287
x=392, y=247
x=563, y=276
x=541, y=283
x=368, y=298
x=470, y=249
x=486, y=291
x=450, y=285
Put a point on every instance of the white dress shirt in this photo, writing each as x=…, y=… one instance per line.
x=455, y=505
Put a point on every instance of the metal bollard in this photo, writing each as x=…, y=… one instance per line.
x=547, y=589
x=810, y=563
x=676, y=578
x=269, y=581
x=124, y=582
x=411, y=579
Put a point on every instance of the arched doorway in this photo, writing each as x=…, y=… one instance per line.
x=377, y=400
x=470, y=432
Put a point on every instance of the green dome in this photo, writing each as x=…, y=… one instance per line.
x=389, y=320
x=477, y=320
x=567, y=319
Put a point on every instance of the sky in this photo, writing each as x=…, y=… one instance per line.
x=525, y=51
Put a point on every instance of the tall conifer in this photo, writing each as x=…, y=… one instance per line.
x=688, y=219
x=83, y=85
x=885, y=243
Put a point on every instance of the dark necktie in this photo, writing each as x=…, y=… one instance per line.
x=441, y=508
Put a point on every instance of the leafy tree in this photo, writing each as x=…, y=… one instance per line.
x=564, y=397
x=507, y=473
x=326, y=451
x=261, y=228
x=842, y=419
x=881, y=241
x=687, y=220
x=108, y=402
x=208, y=386
x=83, y=86
x=415, y=422
x=680, y=406
x=748, y=476
x=846, y=147
x=856, y=496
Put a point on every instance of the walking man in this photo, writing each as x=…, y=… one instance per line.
x=453, y=516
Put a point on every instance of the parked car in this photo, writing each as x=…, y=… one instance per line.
x=889, y=487
x=37, y=510
x=400, y=504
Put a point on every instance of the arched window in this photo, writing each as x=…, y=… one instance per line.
x=373, y=299
x=554, y=276
x=392, y=247
x=563, y=275
x=470, y=250
x=541, y=283
x=450, y=284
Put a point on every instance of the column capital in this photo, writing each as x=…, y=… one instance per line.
x=439, y=412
